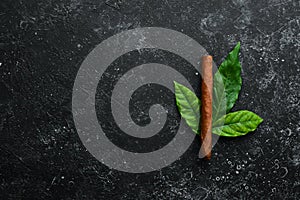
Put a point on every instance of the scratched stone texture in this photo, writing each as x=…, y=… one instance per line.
x=42, y=45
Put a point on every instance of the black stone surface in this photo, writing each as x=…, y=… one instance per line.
x=42, y=45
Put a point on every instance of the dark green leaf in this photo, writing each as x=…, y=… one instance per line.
x=237, y=124
x=188, y=105
x=230, y=73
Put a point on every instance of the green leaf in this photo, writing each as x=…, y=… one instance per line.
x=188, y=105
x=237, y=124
x=230, y=73
x=219, y=98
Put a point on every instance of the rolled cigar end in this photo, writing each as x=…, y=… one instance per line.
x=206, y=107
x=208, y=58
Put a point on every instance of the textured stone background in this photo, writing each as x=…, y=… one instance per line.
x=42, y=44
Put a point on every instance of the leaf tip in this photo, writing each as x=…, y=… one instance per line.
x=260, y=119
x=176, y=84
x=238, y=46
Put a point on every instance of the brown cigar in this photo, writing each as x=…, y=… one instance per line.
x=206, y=107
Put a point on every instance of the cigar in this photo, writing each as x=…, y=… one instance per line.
x=206, y=107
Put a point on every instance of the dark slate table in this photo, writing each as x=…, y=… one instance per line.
x=42, y=46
